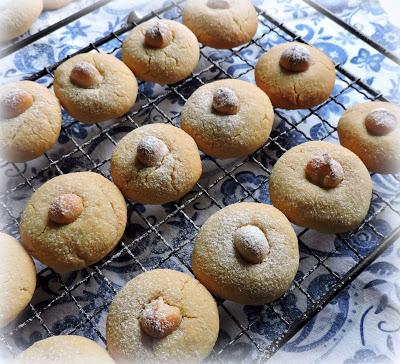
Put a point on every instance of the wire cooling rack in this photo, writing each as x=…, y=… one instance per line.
x=162, y=236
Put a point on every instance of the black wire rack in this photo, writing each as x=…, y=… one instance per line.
x=145, y=231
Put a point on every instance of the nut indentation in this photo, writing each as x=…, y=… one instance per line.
x=66, y=208
x=225, y=101
x=380, y=122
x=218, y=4
x=14, y=103
x=295, y=58
x=251, y=243
x=151, y=151
x=324, y=171
x=159, y=35
x=85, y=75
x=158, y=319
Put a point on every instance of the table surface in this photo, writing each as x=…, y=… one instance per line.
x=362, y=324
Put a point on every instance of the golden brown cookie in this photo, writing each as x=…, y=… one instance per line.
x=30, y=121
x=73, y=221
x=162, y=51
x=247, y=253
x=156, y=164
x=295, y=75
x=228, y=118
x=321, y=186
x=17, y=279
x=54, y=4
x=221, y=23
x=17, y=16
x=95, y=87
x=64, y=349
x=372, y=131
x=162, y=316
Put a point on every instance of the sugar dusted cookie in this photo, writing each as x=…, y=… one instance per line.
x=54, y=4
x=228, y=118
x=17, y=279
x=295, y=75
x=63, y=349
x=321, y=186
x=162, y=51
x=162, y=316
x=221, y=23
x=247, y=253
x=95, y=87
x=372, y=131
x=156, y=164
x=17, y=16
x=30, y=121
x=73, y=221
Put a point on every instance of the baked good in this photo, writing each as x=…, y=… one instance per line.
x=228, y=118
x=247, y=252
x=322, y=186
x=17, y=279
x=54, y=4
x=221, y=23
x=30, y=121
x=156, y=164
x=95, y=87
x=73, y=221
x=162, y=316
x=162, y=51
x=64, y=349
x=16, y=17
x=295, y=75
x=372, y=131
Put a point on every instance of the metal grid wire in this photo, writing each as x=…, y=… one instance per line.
x=68, y=290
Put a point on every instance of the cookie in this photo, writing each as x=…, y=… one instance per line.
x=30, y=121
x=63, y=349
x=372, y=131
x=156, y=164
x=295, y=76
x=221, y=23
x=247, y=253
x=162, y=51
x=95, y=87
x=162, y=316
x=16, y=17
x=228, y=118
x=321, y=186
x=17, y=279
x=54, y=4
x=73, y=221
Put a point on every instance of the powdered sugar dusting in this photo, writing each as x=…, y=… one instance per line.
x=151, y=151
x=251, y=243
x=225, y=101
x=297, y=54
x=324, y=171
x=381, y=121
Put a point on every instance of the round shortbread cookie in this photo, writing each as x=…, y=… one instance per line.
x=73, y=221
x=137, y=306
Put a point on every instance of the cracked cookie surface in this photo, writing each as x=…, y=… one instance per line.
x=217, y=264
x=295, y=90
x=380, y=153
x=86, y=240
x=34, y=131
x=332, y=210
x=228, y=136
x=173, y=177
x=17, y=279
x=226, y=24
x=165, y=65
x=112, y=97
x=192, y=341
